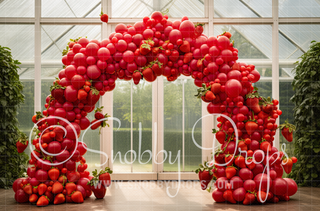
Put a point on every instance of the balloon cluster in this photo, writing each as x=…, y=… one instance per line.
x=148, y=49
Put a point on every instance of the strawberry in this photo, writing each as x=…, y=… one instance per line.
x=205, y=175
x=82, y=167
x=70, y=187
x=250, y=164
x=157, y=67
x=261, y=196
x=93, y=97
x=57, y=187
x=265, y=146
x=54, y=174
x=57, y=91
x=249, y=199
x=240, y=161
x=216, y=88
x=242, y=145
x=59, y=199
x=33, y=198
x=21, y=145
x=251, y=126
x=149, y=75
x=97, y=113
x=95, y=124
x=136, y=76
x=229, y=159
x=210, y=96
x=187, y=58
x=287, y=165
x=28, y=189
x=59, y=134
x=43, y=201
x=227, y=34
x=145, y=48
x=104, y=177
x=82, y=94
x=198, y=30
x=99, y=190
x=219, y=157
x=294, y=159
x=77, y=197
x=287, y=130
x=62, y=179
x=262, y=115
x=231, y=171
x=221, y=136
x=104, y=17
x=185, y=48
x=252, y=102
x=36, y=117
x=227, y=195
x=42, y=188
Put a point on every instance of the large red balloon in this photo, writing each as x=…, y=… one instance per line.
x=233, y=88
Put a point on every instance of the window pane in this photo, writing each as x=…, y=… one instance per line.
x=173, y=123
x=70, y=8
x=299, y=8
x=294, y=39
x=54, y=38
x=122, y=137
x=264, y=88
x=17, y=8
x=20, y=39
x=286, y=92
x=26, y=110
x=252, y=41
x=192, y=109
x=142, y=113
x=245, y=8
x=137, y=9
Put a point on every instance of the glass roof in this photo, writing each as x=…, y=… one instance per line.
x=294, y=39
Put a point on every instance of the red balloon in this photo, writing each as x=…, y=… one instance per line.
x=233, y=88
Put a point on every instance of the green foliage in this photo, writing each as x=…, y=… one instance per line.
x=12, y=164
x=306, y=84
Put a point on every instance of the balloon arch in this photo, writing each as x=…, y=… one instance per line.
x=245, y=170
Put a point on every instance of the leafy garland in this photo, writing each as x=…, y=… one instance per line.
x=306, y=85
x=12, y=164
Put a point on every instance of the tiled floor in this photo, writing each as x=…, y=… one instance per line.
x=154, y=196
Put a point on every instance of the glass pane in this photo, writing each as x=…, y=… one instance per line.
x=180, y=8
x=20, y=39
x=252, y=41
x=26, y=110
x=54, y=38
x=173, y=123
x=265, y=71
x=295, y=39
x=264, y=88
x=192, y=109
x=245, y=8
x=299, y=8
x=70, y=8
x=17, y=8
x=122, y=137
x=92, y=139
x=286, y=92
x=142, y=113
x=137, y=9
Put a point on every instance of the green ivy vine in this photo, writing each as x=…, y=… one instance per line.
x=306, y=85
x=12, y=164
